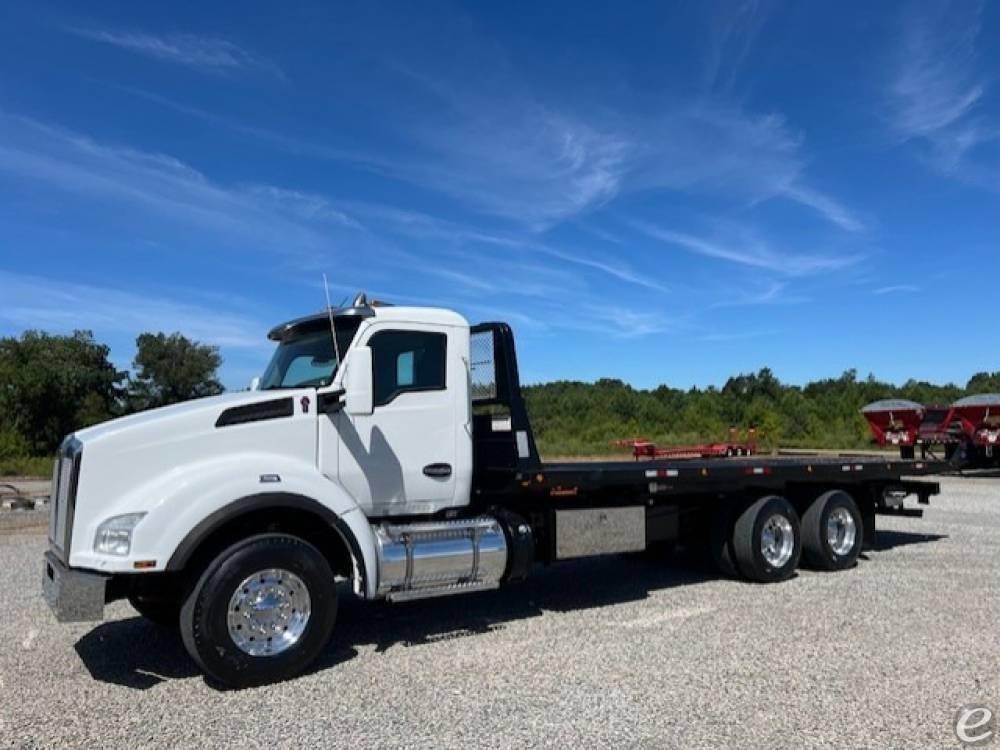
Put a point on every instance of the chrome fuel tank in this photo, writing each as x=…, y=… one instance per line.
x=440, y=557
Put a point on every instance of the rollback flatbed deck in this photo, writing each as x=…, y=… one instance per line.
x=682, y=500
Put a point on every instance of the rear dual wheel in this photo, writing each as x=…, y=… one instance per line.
x=767, y=540
x=832, y=531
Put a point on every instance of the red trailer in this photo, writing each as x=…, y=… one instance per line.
x=895, y=421
x=980, y=419
x=643, y=448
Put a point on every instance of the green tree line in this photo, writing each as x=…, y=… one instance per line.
x=574, y=418
x=52, y=385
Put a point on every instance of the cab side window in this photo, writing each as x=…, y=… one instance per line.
x=407, y=361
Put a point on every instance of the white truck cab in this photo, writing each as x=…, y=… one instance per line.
x=352, y=439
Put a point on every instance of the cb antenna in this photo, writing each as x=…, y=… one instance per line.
x=333, y=326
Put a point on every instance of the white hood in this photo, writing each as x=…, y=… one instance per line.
x=166, y=414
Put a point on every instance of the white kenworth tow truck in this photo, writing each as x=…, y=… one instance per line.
x=397, y=453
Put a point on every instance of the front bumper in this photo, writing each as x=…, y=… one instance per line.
x=73, y=595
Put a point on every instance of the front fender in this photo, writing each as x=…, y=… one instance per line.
x=182, y=508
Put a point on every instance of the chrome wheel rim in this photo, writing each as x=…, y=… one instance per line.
x=777, y=541
x=269, y=612
x=841, y=531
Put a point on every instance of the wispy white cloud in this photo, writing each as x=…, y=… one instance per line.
x=418, y=224
x=513, y=156
x=257, y=216
x=746, y=249
x=773, y=293
x=617, y=271
x=733, y=29
x=832, y=210
x=936, y=90
x=729, y=336
x=897, y=289
x=309, y=206
x=60, y=305
x=521, y=161
x=191, y=50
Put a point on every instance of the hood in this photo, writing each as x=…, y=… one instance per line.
x=209, y=407
x=136, y=463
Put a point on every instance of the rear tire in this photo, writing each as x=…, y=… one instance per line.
x=832, y=531
x=261, y=612
x=767, y=540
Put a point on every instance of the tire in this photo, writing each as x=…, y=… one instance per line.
x=163, y=611
x=294, y=581
x=842, y=550
x=774, y=516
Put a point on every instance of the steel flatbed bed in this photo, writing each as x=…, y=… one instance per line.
x=667, y=500
x=713, y=474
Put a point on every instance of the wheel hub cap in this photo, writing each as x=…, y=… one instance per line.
x=841, y=531
x=268, y=612
x=777, y=541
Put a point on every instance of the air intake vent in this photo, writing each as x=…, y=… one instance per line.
x=276, y=409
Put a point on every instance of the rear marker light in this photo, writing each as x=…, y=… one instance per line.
x=654, y=473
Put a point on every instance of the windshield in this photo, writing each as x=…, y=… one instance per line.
x=307, y=359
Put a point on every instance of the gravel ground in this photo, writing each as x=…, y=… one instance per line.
x=606, y=652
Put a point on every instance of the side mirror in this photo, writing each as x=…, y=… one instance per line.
x=255, y=383
x=358, y=381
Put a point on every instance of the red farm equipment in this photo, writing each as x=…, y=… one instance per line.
x=895, y=422
x=979, y=416
x=968, y=431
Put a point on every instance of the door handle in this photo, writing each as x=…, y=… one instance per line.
x=437, y=470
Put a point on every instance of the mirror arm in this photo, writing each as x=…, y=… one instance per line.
x=331, y=402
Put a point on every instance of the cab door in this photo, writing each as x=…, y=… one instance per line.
x=401, y=458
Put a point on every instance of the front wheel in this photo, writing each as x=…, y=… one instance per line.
x=261, y=612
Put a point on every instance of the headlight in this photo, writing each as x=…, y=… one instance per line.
x=114, y=536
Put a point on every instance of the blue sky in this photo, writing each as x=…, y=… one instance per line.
x=664, y=193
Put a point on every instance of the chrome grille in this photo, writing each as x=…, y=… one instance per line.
x=63, y=498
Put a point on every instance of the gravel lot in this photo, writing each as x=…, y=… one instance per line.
x=614, y=652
